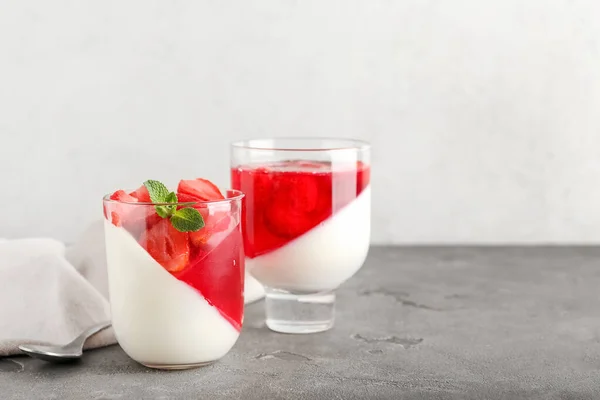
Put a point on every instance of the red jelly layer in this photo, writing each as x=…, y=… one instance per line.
x=217, y=272
x=286, y=199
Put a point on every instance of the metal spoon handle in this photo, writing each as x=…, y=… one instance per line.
x=79, y=341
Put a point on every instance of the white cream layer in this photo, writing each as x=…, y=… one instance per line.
x=157, y=318
x=324, y=257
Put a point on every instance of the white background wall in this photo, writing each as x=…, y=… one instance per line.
x=484, y=115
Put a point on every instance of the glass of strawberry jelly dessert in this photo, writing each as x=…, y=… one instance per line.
x=306, y=223
x=176, y=272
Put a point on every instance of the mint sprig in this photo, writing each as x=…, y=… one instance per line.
x=157, y=190
x=185, y=219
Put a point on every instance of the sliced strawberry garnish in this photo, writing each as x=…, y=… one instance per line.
x=214, y=223
x=199, y=238
x=141, y=194
x=121, y=195
x=199, y=189
x=134, y=218
x=186, y=198
x=293, y=202
x=141, y=218
x=169, y=247
x=117, y=211
x=115, y=218
x=201, y=207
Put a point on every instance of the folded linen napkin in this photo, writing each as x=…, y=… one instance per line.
x=50, y=293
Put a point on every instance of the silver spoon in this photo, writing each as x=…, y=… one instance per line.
x=68, y=352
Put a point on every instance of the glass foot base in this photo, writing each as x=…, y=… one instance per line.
x=299, y=313
x=174, y=367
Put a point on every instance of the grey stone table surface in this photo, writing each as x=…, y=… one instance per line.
x=414, y=323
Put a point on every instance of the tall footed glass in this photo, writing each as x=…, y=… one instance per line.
x=176, y=297
x=306, y=223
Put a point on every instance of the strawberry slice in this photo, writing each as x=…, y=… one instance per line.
x=169, y=247
x=118, y=210
x=199, y=238
x=141, y=194
x=186, y=198
x=121, y=195
x=214, y=223
x=195, y=190
x=133, y=218
x=115, y=218
x=201, y=207
x=143, y=217
x=294, y=200
x=199, y=189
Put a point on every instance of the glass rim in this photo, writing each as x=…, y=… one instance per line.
x=350, y=144
x=238, y=196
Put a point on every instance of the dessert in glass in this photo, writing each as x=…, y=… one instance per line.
x=175, y=272
x=306, y=223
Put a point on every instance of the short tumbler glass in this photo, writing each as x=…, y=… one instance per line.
x=306, y=223
x=176, y=297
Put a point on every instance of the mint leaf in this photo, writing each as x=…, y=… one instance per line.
x=184, y=220
x=187, y=220
x=171, y=198
x=163, y=211
x=158, y=192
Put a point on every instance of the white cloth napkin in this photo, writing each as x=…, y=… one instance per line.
x=50, y=293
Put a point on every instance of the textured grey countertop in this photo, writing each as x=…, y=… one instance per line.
x=415, y=323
